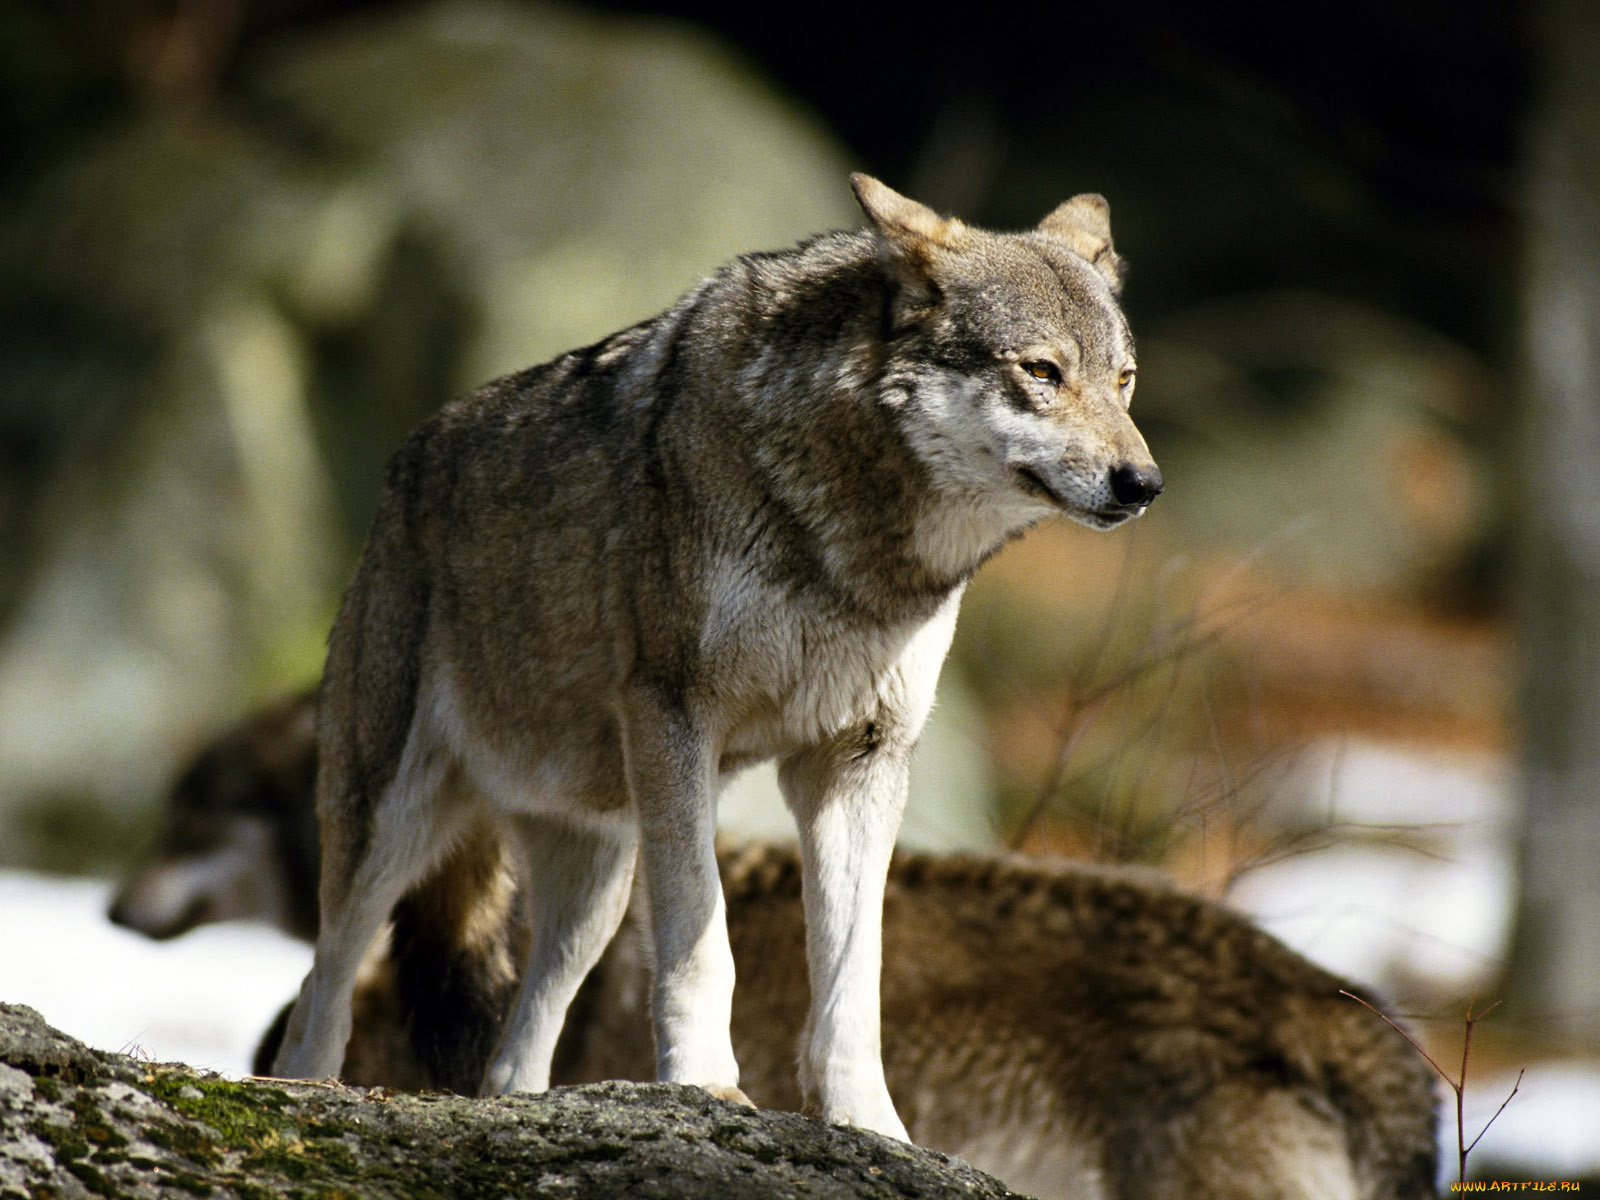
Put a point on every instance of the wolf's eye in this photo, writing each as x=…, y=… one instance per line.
x=1046, y=371
x=1126, y=378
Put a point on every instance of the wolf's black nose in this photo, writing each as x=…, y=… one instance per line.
x=1136, y=486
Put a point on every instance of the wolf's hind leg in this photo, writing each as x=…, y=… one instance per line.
x=363, y=877
x=579, y=872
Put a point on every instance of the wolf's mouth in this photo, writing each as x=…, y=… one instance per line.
x=1101, y=518
x=1034, y=485
x=1107, y=517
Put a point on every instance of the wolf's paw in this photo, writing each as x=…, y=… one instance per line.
x=727, y=1092
x=869, y=1110
x=853, y=1094
x=887, y=1123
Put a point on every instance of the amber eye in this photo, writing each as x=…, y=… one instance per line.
x=1126, y=378
x=1044, y=370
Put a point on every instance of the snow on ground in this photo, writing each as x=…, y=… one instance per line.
x=1396, y=918
x=1549, y=1131
x=204, y=998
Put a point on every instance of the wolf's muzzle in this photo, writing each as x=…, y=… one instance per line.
x=1136, y=486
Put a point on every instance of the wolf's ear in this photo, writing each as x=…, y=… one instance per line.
x=1084, y=223
x=914, y=230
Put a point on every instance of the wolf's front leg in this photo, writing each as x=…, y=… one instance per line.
x=847, y=799
x=672, y=777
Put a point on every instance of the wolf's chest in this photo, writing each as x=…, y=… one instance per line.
x=786, y=673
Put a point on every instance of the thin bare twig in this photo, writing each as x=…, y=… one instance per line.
x=1457, y=1085
x=1164, y=646
x=1515, y=1087
x=1415, y=1045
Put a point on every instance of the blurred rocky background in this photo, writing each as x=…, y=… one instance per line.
x=1347, y=671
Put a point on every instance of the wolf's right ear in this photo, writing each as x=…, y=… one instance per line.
x=1084, y=223
x=914, y=231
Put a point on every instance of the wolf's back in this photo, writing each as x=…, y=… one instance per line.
x=1065, y=1019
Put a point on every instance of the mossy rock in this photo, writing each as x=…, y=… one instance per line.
x=75, y=1122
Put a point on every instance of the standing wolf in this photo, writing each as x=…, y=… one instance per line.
x=738, y=531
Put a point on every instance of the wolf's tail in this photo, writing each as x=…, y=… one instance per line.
x=459, y=939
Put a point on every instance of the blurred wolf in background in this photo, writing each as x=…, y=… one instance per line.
x=238, y=836
x=733, y=533
x=1078, y=1032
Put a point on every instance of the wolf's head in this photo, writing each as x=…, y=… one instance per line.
x=238, y=839
x=1012, y=363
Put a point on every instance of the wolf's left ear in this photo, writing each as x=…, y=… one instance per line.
x=912, y=229
x=1084, y=223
